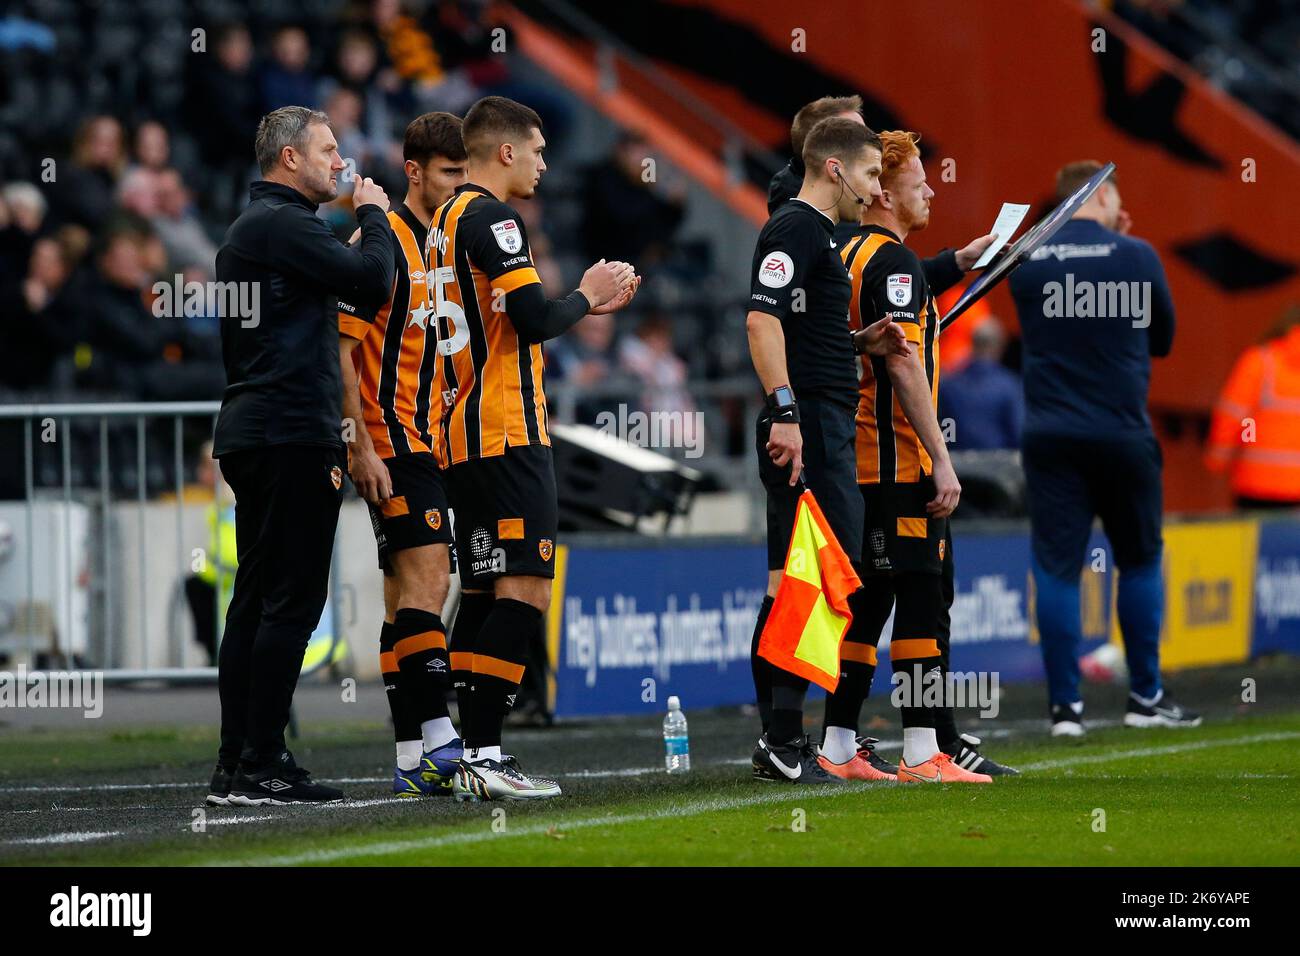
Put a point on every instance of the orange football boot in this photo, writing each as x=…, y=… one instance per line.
x=938, y=769
x=857, y=767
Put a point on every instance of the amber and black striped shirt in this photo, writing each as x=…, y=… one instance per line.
x=476, y=253
x=402, y=391
x=888, y=279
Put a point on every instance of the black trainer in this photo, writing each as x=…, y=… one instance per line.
x=1165, y=712
x=219, y=788
x=793, y=762
x=1067, y=720
x=867, y=745
x=965, y=754
x=281, y=783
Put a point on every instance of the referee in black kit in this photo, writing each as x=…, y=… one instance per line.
x=279, y=437
x=802, y=350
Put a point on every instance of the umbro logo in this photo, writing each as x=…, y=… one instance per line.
x=437, y=665
x=275, y=785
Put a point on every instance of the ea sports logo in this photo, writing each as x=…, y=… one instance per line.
x=776, y=271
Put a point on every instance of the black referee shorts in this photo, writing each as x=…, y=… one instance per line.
x=899, y=536
x=829, y=470
x=1072, y=480
x=416, y=514
x=506, y=515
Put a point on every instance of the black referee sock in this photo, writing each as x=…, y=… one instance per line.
x=405, y=725
x=474, y=609
x=761, y=667
x=788, y=691
x=420, y=649
x=870, y=605
x=500, y=656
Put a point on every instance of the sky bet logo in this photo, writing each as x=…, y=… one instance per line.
x=77, y=909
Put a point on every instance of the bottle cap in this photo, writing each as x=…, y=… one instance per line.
x=674, y=703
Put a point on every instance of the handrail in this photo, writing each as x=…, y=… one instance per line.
x=110, y=409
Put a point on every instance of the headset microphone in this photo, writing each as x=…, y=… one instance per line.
x=845, y=183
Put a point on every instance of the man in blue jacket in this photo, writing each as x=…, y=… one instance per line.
x=1094, y=307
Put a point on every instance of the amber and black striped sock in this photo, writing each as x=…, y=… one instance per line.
x=473, y=611
x=500, y=655
x=406, y=727
x=420, y=648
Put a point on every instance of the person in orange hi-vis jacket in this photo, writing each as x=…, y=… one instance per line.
x=1255, y=430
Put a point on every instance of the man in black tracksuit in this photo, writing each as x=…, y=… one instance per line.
x=279, y=437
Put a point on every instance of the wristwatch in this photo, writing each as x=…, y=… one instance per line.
x=781, y=404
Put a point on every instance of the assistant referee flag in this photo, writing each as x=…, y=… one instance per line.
x=811, y=610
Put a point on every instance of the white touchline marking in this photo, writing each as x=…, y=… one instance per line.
x=1158, y=751
x=82, y=837
x=695, y=808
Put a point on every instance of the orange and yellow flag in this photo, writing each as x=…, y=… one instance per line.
x=811, y=610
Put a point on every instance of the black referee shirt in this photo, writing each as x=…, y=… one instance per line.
x=797, y=276
x=282, y=364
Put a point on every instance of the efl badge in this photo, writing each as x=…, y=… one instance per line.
x=434, y=518
x=546, y=547
x=508, y=235
x=898, y=288
x=336, y=476
x=776, y=271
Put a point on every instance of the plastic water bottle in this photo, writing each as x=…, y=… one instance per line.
x=677, y=746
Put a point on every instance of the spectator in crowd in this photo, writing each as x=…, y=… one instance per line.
x=33, y=335
x=383, y=95
x=22, y=214
x=585, y=359
x=625, y=217
x=414, y=55
x=124, y=347
x=182, y=233
x=1255, y=429
x=288, y=79
x=983, y=399
x=223, y=110
x=82, y=191
x=137, y=193
x=344, y=108
x=152, y=146
x=649, y=357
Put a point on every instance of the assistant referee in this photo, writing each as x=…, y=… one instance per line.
x=801, y=348
x=279, y=437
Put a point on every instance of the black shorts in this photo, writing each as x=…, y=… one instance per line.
x=416, y=515
x=506, y=515
x=829, y=470
x=899, y=536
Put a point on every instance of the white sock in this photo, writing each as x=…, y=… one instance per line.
x=408, y=754
x=919, y=745
x=484, y=753
x=437, y=732
x=840, y=745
